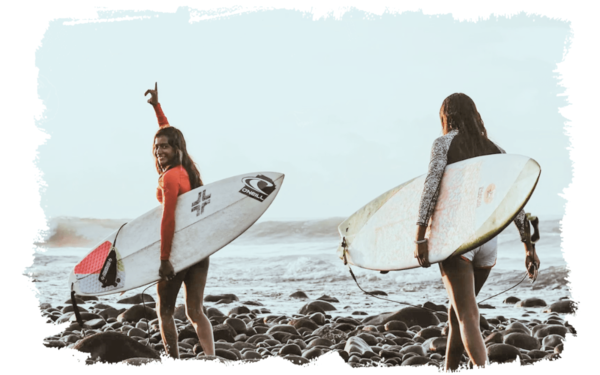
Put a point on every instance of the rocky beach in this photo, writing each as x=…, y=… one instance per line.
x=128, y=331
x=285, y=294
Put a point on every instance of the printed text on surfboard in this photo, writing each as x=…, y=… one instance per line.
x=259, y=187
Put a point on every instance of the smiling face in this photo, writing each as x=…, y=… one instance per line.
x=164, y=152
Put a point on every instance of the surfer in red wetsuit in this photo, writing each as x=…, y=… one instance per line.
x=178, y=175
x=464, y=137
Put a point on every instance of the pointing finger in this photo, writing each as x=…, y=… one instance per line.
x=155, y=86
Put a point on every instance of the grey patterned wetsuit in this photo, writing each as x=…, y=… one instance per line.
x=449, y=149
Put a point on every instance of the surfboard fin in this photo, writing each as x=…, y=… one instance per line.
x=108, y=273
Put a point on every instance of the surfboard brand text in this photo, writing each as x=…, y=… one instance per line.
x=259, y=187
x=199, y=204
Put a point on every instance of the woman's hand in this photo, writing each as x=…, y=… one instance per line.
x=166, y=271
x=154, y=95
x=422, y=254
x=532, y=262
x=422, y=249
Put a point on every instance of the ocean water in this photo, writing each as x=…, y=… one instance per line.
x=273, y=259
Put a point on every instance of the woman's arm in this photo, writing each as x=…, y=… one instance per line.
x=162, y=119
x=532, y=262
x=522, y=225
x=437, y=165
x=170, y=191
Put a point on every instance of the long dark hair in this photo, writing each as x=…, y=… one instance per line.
x=177, y=141
x=460, y=113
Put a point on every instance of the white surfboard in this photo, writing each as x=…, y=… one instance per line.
x=206, y=219
x=478, y=198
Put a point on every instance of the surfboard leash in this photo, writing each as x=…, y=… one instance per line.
x=385, y=299
x=514, y=286
x=345, y=250
x=75, y=308
x=344, y=246
x=74, y=297
x=147, y=322
x=529, y=218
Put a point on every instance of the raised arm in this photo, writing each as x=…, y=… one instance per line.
x=162, y=119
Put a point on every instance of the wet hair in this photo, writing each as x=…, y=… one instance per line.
x=461, y=114
x=177, y=141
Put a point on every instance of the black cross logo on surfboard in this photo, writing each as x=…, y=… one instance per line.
x=203, y=200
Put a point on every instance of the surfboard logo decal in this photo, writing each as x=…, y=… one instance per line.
x=488, y=196
x=259, y=187
x=199, y=204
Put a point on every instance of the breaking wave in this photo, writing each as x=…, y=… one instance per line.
x=68, y=231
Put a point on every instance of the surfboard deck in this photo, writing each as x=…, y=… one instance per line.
x=206, y=219
x=478, y=198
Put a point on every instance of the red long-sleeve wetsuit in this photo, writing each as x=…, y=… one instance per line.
x=171, y=184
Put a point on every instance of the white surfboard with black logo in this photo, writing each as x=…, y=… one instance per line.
x=206, y=219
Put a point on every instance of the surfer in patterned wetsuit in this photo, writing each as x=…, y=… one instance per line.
x=178, y=175
x=463, y=276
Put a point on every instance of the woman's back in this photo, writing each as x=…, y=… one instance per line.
x=462, y=148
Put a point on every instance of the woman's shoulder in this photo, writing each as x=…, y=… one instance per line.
x=444, y=140
x=173, y=174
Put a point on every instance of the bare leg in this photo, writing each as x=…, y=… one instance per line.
x=459, y=280
x=481, y=275
x=455, y=347
x=194, y=284
x=167, y=297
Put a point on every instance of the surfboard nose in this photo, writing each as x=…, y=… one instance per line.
x=275, y=176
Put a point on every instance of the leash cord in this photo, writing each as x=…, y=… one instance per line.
x=514, y=286
x=147, y=322
x=421, y=307
x=405, y=303
x=385, y=299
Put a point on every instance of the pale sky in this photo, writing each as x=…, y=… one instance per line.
x=347, y=109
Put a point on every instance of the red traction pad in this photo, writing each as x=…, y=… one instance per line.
x=94, y=261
